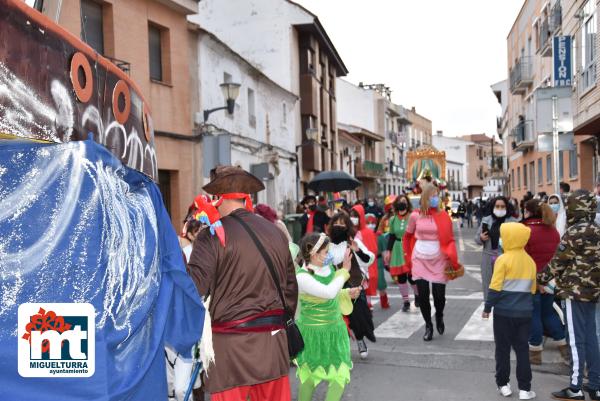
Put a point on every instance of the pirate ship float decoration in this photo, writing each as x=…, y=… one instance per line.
x=55, y=88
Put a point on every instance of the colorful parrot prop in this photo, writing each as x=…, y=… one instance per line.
x=207, y=214
x=388, y=202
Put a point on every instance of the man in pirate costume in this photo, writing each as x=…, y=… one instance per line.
x=251, y=359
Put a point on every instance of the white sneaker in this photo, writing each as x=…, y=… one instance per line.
x=362, y=349
x=526, y=395
x=505, y=390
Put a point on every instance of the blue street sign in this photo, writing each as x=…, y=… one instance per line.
x=562, y=54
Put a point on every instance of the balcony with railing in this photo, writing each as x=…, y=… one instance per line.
x=545, y=39
x=556, y=17
x=521, y=75
x=523, y=136
x=369, y=169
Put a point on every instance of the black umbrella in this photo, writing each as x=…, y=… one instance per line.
x=333, y=181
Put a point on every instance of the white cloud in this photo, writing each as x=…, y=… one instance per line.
x=439, y=56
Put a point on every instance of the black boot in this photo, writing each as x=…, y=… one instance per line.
x=428, y=332
x=406, y=306
x=439, y=323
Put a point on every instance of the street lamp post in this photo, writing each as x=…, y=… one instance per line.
x=312, y=134
x=230, y=93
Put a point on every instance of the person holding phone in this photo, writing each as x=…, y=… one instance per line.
x=500, y=211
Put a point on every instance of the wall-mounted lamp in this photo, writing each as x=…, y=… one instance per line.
x=230, y=92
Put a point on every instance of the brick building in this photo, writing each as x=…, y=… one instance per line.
x=529, y=68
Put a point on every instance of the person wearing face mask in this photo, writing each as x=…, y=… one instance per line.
x=558, y=208
x=373, y=208
x=395, y=253
x=343, y=237
x=430, y=250
x=488, y=235
x=326, y=353
x=368, y=237
x=315, y=218
x=541, y=246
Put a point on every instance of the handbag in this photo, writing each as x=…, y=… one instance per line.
x=452, y=273
x=294, y=337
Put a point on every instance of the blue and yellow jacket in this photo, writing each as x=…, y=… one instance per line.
x=514, y=280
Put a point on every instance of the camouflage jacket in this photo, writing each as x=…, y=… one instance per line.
x=576, y=263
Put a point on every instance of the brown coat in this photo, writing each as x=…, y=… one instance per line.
x=240, y=286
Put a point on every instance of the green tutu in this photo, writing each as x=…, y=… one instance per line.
x=326, y=354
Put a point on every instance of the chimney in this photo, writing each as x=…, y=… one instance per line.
x=360, y=84
x=414, y=110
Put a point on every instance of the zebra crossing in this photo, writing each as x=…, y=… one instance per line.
x=402, y=325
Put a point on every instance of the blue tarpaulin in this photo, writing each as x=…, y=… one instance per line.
x=78, y=226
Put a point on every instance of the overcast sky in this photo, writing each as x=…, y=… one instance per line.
x=437, y=55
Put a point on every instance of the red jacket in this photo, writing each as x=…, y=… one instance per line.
x=542, y=243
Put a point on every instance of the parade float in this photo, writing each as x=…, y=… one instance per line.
x=425, y=164
x=87, y=250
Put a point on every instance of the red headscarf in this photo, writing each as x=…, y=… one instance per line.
x=368, y=238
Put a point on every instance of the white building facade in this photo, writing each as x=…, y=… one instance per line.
x=454, y=178
x=494, y=186
x=456, y=156
x=397, y=127
x=287, y=43
x=260, y=135
x=360, y=115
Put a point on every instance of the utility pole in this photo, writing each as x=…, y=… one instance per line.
x=555, y=143
x=493, y=160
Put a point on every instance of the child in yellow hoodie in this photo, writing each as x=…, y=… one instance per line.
x=511, y=295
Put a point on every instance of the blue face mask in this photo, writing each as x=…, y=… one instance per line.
x=555, y=207
x=328, y=259
x=434, y=201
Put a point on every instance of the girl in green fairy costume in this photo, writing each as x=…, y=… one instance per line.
x=326, y=354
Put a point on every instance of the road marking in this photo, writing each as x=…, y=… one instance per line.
x=461, y=243
x=477, y=296
x=400, y=325
x=476, y=328
x=473, y=271
x=473, y=246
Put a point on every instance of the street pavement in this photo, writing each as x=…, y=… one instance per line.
x=458, y=365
